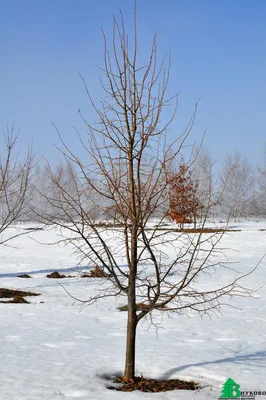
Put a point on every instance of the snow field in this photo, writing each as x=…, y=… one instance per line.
x=53, y=348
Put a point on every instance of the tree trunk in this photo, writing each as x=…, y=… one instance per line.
x=129, y=372
x=195, y=220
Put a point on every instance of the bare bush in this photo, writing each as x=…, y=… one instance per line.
x=14, y=183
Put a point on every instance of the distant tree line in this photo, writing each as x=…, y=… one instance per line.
x=237, y=189
x=31, y=191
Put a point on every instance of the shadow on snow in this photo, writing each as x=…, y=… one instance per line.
x=257, y=358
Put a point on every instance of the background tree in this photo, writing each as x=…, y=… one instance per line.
x=237, y=181
x=184, y=202
x=204, y=181
x=260, y=194
x=38, y=204
x=47, y=184
x=15, y=184
x=128, y=164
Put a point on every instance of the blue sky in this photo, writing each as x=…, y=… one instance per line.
x=218, y=54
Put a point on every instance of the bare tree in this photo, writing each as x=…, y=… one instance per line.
x=14, y=183
x=38, y=204
x=128, y=165
x=260, y=194
x=203, y=177
x=237, y=181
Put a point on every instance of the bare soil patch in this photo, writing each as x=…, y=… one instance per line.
x=152, y=385
x=97, y=272
x=17, y=299
x=9, y=293
x=24, y=276
x=33, y=229
x=85, y=275
x=167, y=228
x=56, y=275
x=15, y=296
x=195, y=230
x=140, y=307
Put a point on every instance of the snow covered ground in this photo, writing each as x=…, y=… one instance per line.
x=52, y=349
